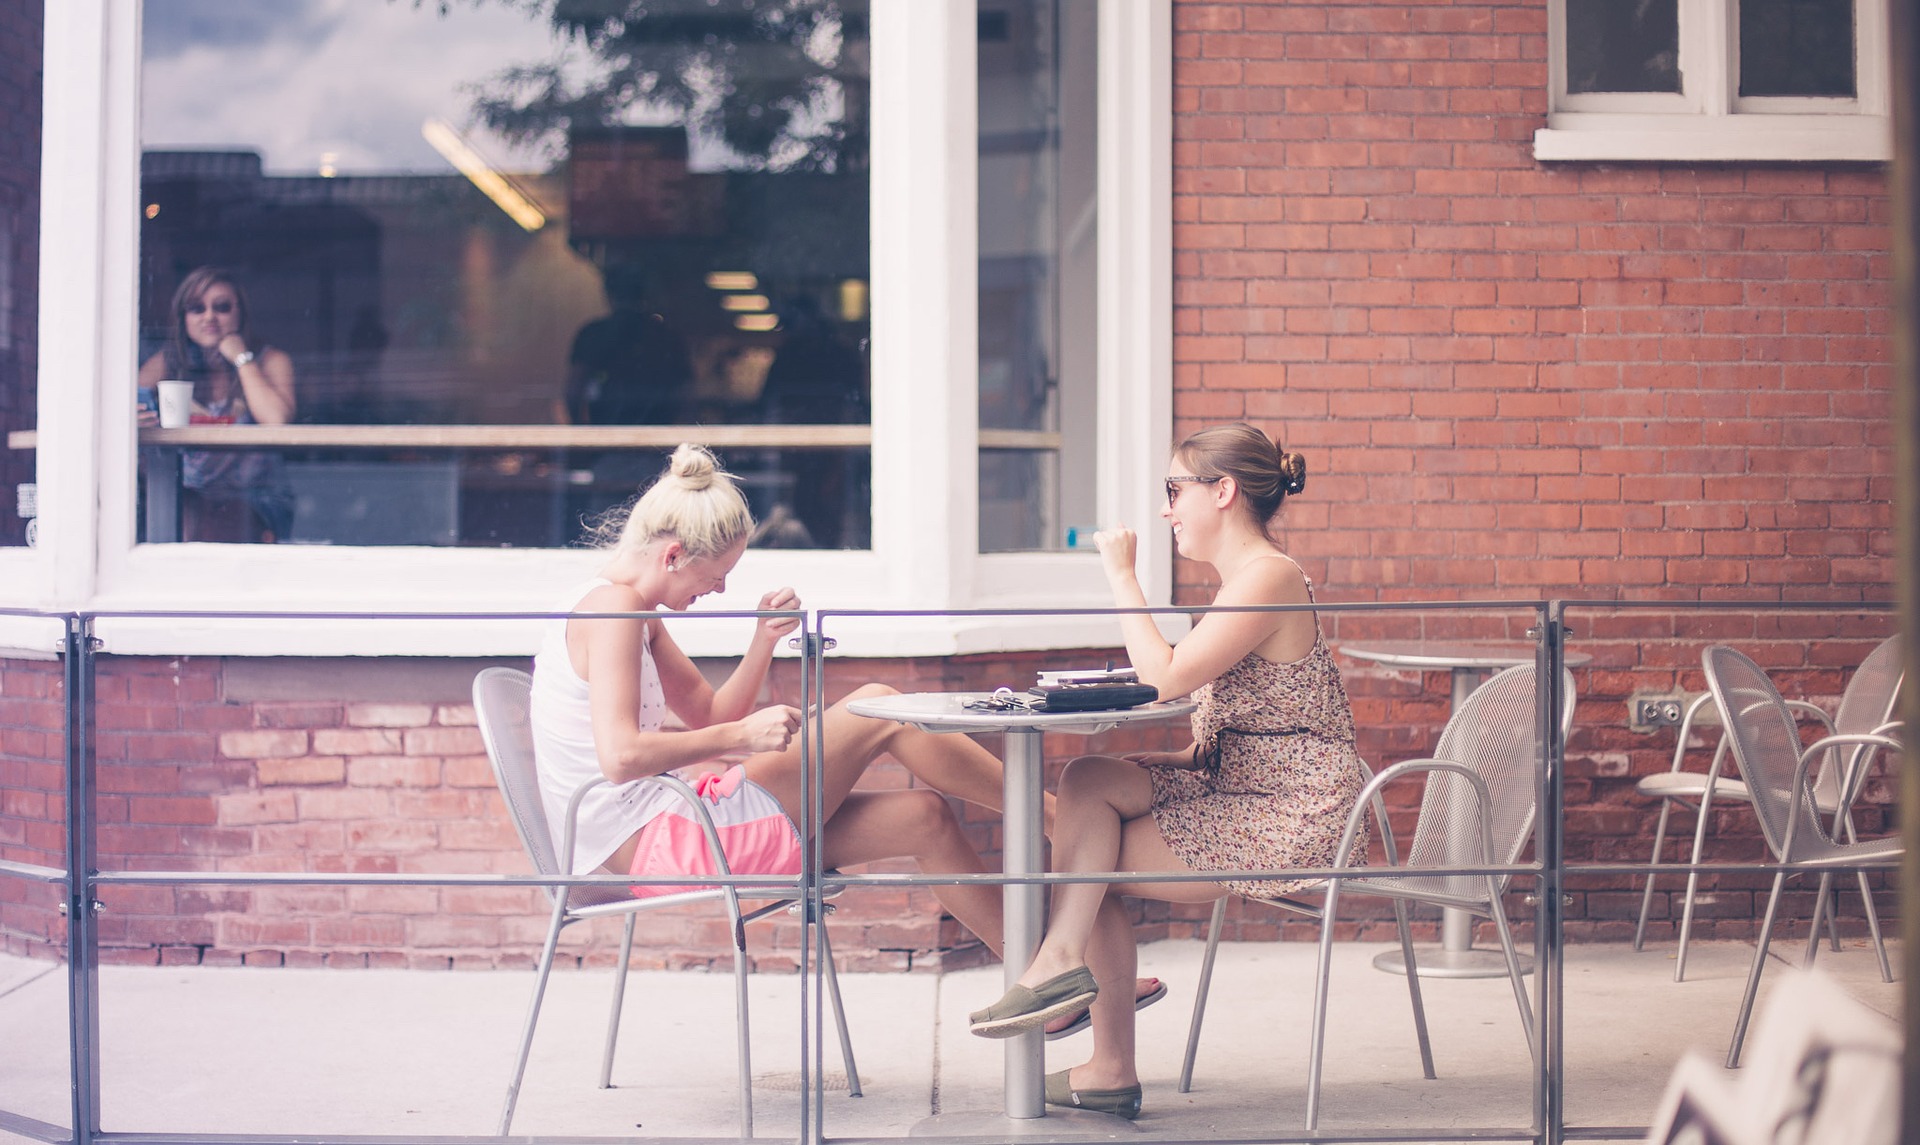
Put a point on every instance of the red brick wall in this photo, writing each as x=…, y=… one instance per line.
x=1513, y=379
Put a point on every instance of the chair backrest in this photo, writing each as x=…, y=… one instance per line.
x=1495, y=734
x=1766, y=746
x=501, y=707
x=1873, y=692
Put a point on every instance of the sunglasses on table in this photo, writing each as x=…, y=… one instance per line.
x=1174, y=483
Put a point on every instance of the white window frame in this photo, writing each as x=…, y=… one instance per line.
x=925, y=469
x=1708, y=120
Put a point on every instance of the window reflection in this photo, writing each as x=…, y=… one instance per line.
x=1037, y=286
x=520, y=214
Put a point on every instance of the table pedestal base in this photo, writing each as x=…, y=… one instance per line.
x=1438, y=962
x=1057, y=1125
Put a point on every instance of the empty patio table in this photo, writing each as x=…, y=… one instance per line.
x=1020, y=815
x=1470, y=663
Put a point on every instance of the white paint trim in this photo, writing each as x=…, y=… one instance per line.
x=1709, y=121
x=925, y=362
x=1135, y=352
x=1732, y=138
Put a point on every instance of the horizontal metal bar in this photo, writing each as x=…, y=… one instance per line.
x=32, y=871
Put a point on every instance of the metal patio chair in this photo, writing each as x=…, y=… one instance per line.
x=500, y=704
x=1477, y=811
x=1766, y=748
x=1866, y=705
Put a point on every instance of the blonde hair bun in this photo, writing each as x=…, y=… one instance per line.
x=693, y=467
x=694, y=501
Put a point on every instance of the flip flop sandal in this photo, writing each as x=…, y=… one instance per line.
x=1085, y=1020
x=1021, y=1009
x=1122, y=1102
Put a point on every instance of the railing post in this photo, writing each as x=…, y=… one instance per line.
x=83, y=938
x=1550, y=915
x=813, y=947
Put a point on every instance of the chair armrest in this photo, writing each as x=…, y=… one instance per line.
x=1812, y=711
x=1850, y=782
x=1686, y=729
x=1371, y=794
x=672, y=783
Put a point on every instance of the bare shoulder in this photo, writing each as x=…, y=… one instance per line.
x=1274, y=579
x=612, y=598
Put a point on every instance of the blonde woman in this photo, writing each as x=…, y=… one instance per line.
x=603, y=686
x=1267, y=782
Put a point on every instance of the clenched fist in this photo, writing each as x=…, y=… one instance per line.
x=770, y=729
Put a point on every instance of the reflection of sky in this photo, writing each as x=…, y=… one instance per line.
x=296, y=79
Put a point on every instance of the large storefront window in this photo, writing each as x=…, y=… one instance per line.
x=1038, y=187
x=476, y=261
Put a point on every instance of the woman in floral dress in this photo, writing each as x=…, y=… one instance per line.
x=1267, y=783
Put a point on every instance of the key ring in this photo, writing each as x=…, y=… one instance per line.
x=1002, y=700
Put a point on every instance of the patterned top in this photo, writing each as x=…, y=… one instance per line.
x=1279, y=774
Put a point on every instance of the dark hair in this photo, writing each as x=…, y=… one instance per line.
x=1265, y=474
x=184, y=357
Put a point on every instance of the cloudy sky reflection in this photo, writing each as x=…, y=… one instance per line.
x=297, y=80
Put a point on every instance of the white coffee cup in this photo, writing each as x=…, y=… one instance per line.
x=176, y=404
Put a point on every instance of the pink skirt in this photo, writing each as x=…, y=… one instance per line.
x=755, y=834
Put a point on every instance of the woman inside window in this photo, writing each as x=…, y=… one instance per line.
x=225, y=495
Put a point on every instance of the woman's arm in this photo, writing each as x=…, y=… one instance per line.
x=613, y=649
x=266, y=380
x=737, y=696
x=1220, y=639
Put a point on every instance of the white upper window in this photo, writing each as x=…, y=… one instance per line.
x=425, y=254
x=1757, y=80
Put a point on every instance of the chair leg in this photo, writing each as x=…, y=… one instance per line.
x=1873, y=926
x=613, y=1011
x=1317, y=1045
x=1753, y=975
x=533, y=1015
x=839, y=1012
x=1413, y=988
x=1646, y=896
x=1693, y=885
x=1513, y=966
x=1200, y=992
x=744, y=1048
x=1820, y=913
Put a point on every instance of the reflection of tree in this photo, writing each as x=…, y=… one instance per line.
x=778, y=82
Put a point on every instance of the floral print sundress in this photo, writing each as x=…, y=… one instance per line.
x=1279, y=772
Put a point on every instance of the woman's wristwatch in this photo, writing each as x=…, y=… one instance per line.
x=242, y=358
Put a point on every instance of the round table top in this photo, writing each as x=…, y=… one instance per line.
x=946, y=712
x=1445, y=654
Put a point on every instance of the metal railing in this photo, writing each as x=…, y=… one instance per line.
x=1549, y=870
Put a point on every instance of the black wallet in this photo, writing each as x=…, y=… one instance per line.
x=1097, y=697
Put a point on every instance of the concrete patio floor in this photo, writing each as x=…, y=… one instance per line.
x=197, y=1052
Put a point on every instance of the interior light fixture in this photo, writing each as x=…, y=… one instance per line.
x=732, y=280
x=853, y=299
x=756, y=321
x=743, y=302
x=491, y=183
x=153, y=210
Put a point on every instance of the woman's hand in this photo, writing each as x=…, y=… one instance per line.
x=1116, y=547
x=770, y=729
x=779, y=600
x=1177, y=760
x=231, y=347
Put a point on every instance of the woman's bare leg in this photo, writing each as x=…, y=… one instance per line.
x=920, y=825
x=951, y=763
x=1099, y=795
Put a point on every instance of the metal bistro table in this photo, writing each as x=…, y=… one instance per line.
x=1020, y=815
x=1470, y=664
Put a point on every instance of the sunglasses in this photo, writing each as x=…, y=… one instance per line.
x=221, y=307
x=1174, y=483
